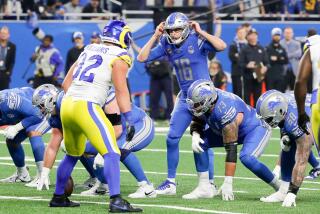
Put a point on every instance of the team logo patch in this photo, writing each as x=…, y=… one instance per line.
x=273, y=104
x=190, y=49
x=169, y=51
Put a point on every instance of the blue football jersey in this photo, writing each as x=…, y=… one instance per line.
x=16, y=106
x=290, y=126
x=54, y=120
x=190, y=59
x=226, y=109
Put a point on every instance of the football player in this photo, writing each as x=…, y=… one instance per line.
x=25, y=121
x=86, y=86
x=187, y=47
x=279, y=109
x=231, y=122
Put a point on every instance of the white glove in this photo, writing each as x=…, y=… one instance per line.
x=226, y=189
x=12, y=131
x=289, y=200
x=196, y=141
x=285, y=143
x=98, y=161
x=44, y=179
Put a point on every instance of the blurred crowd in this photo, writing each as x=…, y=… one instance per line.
x=56, y=9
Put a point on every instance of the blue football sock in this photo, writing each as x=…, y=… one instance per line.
x=64, y=172
x=100, y=175
x=211, y=164
x=17, y=153
x=313, y=161
x=201, y=161
x=112, y=172
x=172, y=156
x=37, y=146
x=133, y=165
x=258, y=168
x=88, y=164
x=287, y=163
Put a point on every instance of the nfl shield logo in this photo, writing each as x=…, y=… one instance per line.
x=169, y=51
x=190, y=49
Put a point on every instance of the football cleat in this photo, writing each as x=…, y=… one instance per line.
x=278, y=196
x=167, y=188
x=203, y=191
x=313, y=174
x=90, y=182
x=16, y=177
x=120, y=205
x=98, y=189
x=62, y=201
x=145, y=190
x=34, y=182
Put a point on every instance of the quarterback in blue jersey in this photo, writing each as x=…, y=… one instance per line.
x=231, y=122
x=24, y=120
x=279, y=109
x=187, y=46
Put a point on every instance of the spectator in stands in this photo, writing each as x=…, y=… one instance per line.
x=247, y=26
x=11, y=8
x=75, y=51
x=92, y=7
x=202, y=3
x=49, y=64
x=161, y=81
x=253, y=62
x=7, y=57
x=53, y=10
x=218, y=77
x=234, y=50
x=251, y=8
x=95, y=38
x=228, y=6
x=273, y=8
x=294, y=52
x=293, y=7
x=278, y=60
x=173, y=3
x=73, y=7
x=311, y=6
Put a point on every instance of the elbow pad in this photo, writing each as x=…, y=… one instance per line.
x=231, y=150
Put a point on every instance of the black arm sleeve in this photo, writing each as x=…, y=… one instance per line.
x=197, y=125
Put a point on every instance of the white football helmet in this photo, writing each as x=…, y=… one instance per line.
x=272, y=106
x=45, y=97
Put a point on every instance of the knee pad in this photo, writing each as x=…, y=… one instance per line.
x=124, y=154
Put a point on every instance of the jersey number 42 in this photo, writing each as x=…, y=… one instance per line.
x=85, y=73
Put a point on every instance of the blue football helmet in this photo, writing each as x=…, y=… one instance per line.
x=117, y=32
x=177, y=21
x=201, y=97
x=45, y=98
x=272, y=106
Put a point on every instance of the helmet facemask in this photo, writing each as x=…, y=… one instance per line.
x=184, y=32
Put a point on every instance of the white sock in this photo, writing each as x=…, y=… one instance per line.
x=211, y=181
x=284, y=187
x=275, y=183
x=203, y=178
x=142, y=183
x=173, y=180
x=39, y=167
x=22, y=170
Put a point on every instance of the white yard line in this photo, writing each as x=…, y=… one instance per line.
x=164, y=173
x=140, y=205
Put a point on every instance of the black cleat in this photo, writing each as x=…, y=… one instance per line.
x=62, y=201
x=120, y=205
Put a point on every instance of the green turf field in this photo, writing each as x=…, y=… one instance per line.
x=16, y=198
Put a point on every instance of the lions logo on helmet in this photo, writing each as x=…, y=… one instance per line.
x=272, y=106
x=117, y=32
x=201, y=97
x=176, y=21
x=45, y=97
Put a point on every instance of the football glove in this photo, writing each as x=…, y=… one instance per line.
x=196, y=142
x=98, y=161
x=290, y=200
x=303, y=120
x=44, y=179
x=12, y=131
x=285, y=143
x=130, y=128
x=226, y=189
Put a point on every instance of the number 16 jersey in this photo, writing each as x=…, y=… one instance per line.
x=92, y=75
x=189, y=59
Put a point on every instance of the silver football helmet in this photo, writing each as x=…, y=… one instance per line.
x=174, y=21
x=272, y=106
x=201, y=97
x=45, y=97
